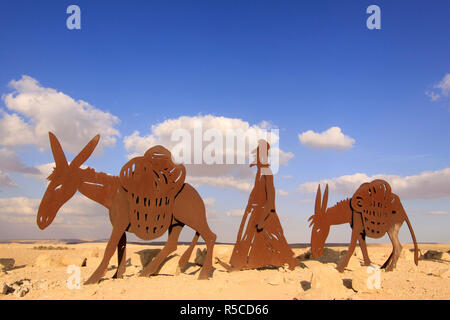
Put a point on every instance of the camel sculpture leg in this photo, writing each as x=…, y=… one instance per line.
x=171, y=246
x=120, y=224
x=121, y=257
x=187, y=254
x=113, y=241
x=362, y=244
x=190, y=210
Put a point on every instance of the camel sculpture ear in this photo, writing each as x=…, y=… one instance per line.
x=58, y=153
x=85, y=153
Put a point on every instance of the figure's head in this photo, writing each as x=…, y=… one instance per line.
x=321, y=227
x=63, y=181
x=261, y=154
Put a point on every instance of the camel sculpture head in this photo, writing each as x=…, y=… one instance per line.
x=320, y=226
x=63, y=181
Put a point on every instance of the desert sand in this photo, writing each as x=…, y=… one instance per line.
x=39, y=271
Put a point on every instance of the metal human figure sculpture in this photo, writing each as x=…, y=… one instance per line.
x=372, y=211
x=263, y=242
x=149, y=198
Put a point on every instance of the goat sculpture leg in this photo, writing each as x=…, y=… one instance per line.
x=363, y=246
x=397, y=247
x=356, y=233
x=121, y=257
x=171, y=246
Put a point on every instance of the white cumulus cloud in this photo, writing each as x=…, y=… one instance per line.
x=223, y=173
x=333, y=138
x=443, y=88
x=34, y=110
x=235, y=213
x=426, y=185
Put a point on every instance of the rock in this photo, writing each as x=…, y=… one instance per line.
x=21, y=292
x=48, y=261
x=4, y=288
x=326, y=278
x=433, y=255
x=367, y=279
x=200, y=257
x=143, y=257
x=223, y=252
x=6, y=264
x=407, y=255
x=326, y=283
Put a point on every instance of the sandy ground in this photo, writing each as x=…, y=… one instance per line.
x=41, y=273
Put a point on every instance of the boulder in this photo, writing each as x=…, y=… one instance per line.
x=223, y=252
x=4, y=288
x=407, y=255
x=49, y=261
x=326, y=277
x=367, y=279
x=143, y=257
x=326, y=283
x=433, y=255
x=6, y=264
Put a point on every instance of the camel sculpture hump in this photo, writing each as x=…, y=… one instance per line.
x=152, y=183
x=376, y=204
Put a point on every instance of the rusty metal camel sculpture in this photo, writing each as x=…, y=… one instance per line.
x=149, y=198
x=372, y=211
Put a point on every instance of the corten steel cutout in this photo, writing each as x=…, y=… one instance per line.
x=372, y=211
x=263, y=242
x=149, y=198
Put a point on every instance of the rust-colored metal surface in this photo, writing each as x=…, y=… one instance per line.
x=262, y=243
x=149, y=198
x=372, y=211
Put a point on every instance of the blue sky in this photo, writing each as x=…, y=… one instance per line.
x=300, y=65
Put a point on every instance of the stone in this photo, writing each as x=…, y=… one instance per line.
x=49, y=261
x=407, y=255
x=223, y=252
x=366, y=279
x=275, y=280
x=4, y=288
x=433, y=255
x=7, y=264
x=326, y=278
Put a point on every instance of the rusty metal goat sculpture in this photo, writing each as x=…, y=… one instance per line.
x=149, y=198
x=372, y=211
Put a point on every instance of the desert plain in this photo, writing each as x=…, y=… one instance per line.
x=39, y=271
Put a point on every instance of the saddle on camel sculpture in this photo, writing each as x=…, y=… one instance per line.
x=147, y=199
x=263, y=242
x=372, y=211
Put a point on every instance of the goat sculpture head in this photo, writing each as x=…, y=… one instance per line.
x=320, y=226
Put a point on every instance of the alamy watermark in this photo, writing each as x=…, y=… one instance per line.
x=225, y=147
x=373, y=281
x=74, y=280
